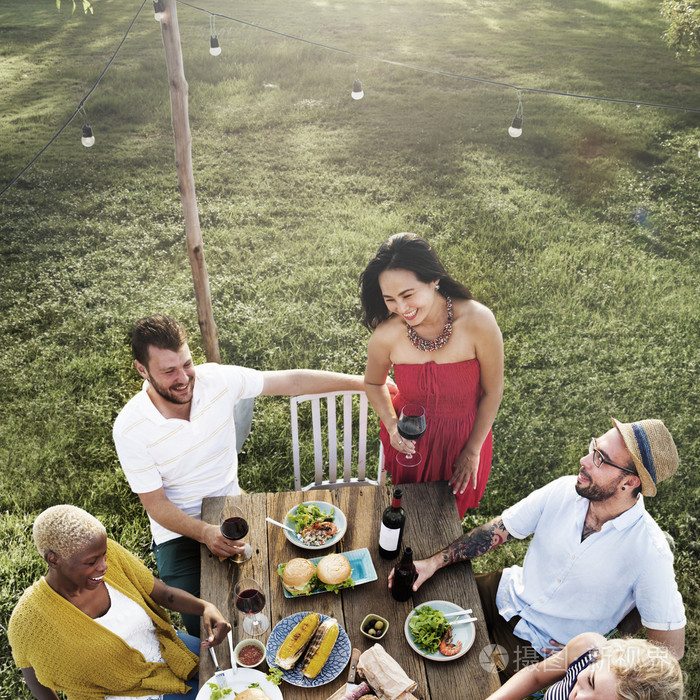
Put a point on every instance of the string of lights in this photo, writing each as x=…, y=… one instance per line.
x=87, y=138
x=517, y=88
x=515, y=129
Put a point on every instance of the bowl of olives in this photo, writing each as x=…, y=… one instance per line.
x=374, y=627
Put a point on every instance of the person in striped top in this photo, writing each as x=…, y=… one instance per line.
x=590, y=667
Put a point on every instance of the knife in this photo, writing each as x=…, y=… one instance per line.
x=351, y=685
x=234, y=666
x=352, y=671
x=355, y=685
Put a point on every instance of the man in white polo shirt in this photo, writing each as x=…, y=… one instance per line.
x=596, y=553
x=176, y=441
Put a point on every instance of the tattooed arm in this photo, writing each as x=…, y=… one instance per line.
x=472, y=544
x=478, y=541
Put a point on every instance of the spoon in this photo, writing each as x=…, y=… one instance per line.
x=284, y=527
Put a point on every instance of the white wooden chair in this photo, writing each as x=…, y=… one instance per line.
x=243, y=420
x=344, y=432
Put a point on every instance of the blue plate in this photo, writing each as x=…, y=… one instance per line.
x=338, y=519
x=340, y=654
x=464, y=633
x=362, y=571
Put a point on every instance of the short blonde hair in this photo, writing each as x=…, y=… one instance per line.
x=65, y=530
x=644, y=670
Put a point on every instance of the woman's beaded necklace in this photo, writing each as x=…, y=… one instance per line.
x=437, y=343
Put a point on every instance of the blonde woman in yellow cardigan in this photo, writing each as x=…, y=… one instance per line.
x=94, y=627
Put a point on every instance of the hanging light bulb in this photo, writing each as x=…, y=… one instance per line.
x=516, y=127
x=158, y=10
x=88, y=139
x=357, y=91
x=214, y=48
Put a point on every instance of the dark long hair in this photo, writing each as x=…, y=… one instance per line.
x=403, y=251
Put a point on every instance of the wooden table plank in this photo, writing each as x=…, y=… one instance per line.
x=432, y=523
x=366, y=507
x=455, y=583
x=281, y=550
x=220, y=577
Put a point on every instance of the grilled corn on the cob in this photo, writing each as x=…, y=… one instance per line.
x=320, y=648
x=295, y=642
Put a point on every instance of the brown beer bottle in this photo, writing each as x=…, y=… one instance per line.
x=404, y=576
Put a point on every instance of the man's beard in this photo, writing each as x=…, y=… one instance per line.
x=594, y=492
x=167, y=393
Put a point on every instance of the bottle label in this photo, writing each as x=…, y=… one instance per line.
x=389, y=539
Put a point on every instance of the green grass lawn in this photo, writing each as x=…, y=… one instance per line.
x=582, y=235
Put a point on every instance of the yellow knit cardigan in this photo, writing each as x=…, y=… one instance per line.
x=71, y=652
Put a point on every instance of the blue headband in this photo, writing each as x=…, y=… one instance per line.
x=644, y=449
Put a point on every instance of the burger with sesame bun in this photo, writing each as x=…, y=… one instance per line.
x=298, y=576
x=334, y=572
x=252, y=694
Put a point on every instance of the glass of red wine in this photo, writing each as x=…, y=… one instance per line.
x=235, y=527
x=250, y=600
x=411, y=426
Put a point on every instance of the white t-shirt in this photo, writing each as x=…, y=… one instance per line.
x=128, y=620
x=190, y=459
x=566, y=586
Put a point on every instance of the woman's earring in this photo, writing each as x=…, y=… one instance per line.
x=437, y=286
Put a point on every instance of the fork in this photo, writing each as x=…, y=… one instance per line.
x=461, y=622
x=219, y=675
x=458, y=613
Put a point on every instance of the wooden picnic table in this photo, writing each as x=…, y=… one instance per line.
x=432, y=522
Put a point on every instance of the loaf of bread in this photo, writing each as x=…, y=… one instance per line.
x=384, y=675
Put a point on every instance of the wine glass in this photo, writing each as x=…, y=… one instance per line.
x=235, y=527
x=411, y=426
x=250, y=600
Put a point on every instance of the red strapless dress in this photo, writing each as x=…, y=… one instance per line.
x=450, y=394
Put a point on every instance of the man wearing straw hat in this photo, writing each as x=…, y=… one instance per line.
x=596, y=553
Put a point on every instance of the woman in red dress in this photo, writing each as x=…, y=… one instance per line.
x=447, y=354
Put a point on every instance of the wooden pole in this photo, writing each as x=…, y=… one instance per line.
x=185, y=178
